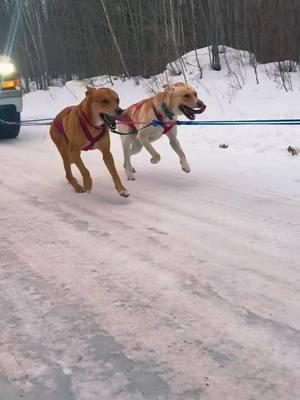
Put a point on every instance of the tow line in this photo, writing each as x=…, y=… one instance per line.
x=155, y=123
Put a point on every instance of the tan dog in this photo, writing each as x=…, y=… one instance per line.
x=86, y=127
x=176, y=99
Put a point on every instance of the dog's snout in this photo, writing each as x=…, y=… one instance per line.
x=119, y=111
x=200, y=103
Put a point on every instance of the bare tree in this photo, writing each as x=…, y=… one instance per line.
x=60, y=40
x=114, y=38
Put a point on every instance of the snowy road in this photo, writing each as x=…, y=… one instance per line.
x=188, y=290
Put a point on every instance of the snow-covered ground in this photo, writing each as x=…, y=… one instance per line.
x=188, y=290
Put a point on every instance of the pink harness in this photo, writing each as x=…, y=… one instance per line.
x=84, y=122
x=127, y=120
x=167, y=125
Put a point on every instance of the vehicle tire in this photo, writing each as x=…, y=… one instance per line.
x=9, y=113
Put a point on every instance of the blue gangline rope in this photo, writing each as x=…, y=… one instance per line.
x=48, y=121
x=236, y=122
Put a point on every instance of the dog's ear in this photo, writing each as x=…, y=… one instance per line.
x=179, y=84
x=168, y=87
x=89, y=90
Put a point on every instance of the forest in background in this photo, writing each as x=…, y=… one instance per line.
x=63, y=39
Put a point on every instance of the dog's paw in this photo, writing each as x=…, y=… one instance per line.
x=185, y=167
x=78, y=189
x=124, y=193
x=155, y=159
x=130, y=171
x=130, y=177
x=87, y=185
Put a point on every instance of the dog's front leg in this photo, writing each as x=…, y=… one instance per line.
x=143, y=137
x=110, y=164
x=174, y=142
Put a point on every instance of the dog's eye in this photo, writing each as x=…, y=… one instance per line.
x=105, y=101
x=187, y=96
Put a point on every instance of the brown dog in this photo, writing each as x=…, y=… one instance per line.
x=176, y=99
x=86, y=127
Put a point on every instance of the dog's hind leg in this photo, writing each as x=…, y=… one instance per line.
x=62, y=144
x=87, y=180
x=130, y=146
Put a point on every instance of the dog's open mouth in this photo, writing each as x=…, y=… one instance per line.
x=109, y=120
x=191, y=112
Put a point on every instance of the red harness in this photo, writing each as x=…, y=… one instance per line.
x=166, y=125
x=128, y=120
x=84, y=122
